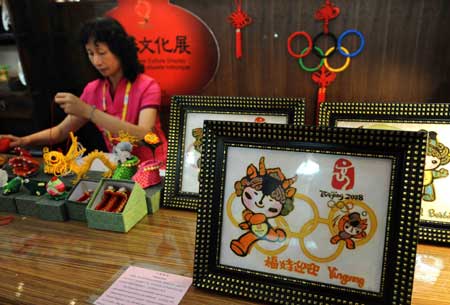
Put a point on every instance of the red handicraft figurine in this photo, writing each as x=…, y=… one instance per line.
x=4, y=144
x=112, y=200
x=239, y=19
x=23, y=165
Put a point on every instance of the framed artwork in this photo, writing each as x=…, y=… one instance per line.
x=309, y=215
x=434, y=118
x=187, y=113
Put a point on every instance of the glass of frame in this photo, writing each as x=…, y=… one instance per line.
x=434, y=118
x=187, y=113
x=308, y=215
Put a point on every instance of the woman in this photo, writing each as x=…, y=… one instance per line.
x=122, y=99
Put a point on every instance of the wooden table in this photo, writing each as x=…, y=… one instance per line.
x=44, y=262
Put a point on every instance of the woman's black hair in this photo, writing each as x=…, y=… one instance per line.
x=111, y=32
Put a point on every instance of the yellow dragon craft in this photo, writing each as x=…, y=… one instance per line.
x=58, y=164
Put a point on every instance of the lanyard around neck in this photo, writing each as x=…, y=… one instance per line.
x=125, y=100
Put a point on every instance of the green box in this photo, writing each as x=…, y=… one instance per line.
x=49, y=209
x=77, y=210
x=26, y=204
x=153, y=196
x=7, y=203
x=134, y=211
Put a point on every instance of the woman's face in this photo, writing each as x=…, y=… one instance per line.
x=101, y=57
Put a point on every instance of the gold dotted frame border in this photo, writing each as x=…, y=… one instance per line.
x=433, y=232
x=293, y=107
x=399, y=292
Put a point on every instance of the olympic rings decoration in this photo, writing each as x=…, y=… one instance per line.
x=333, y=37
x=361, y=45
x=324, y=56
x=300, y=60
x=340, y=248
x=289, y=42
x=307, y=228
x=311, y=226
x=336, y=70
x=324, y=60
x=283, y=246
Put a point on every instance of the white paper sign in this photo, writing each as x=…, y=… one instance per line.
x=140, y=286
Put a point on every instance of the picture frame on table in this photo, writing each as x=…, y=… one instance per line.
x=432, y=117
x=187, y=113
x=305, y=215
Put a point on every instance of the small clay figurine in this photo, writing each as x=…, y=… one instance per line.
x=107, y=194
x=13, y=186
x=112, y=200
x=56, y=189
x=3, y=177
x=123, y=151
x=127, y=165
x=85, y=196
x=23, y=165
x=36, y=188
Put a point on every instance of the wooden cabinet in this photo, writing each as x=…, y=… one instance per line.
x=46, y=35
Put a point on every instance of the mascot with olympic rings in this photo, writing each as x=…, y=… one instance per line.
x=265, y=194
x=437, y=155
x=351, y=226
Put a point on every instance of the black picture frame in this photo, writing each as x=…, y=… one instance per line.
x=435, y=212
x=252, y=276
x=181, y=185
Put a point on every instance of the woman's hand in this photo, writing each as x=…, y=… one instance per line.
x=72, y=104
x=15, y=141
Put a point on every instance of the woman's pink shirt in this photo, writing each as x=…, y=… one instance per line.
x=145, y=93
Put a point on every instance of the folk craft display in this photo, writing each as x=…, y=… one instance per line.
x=434, y=118
x=152, y=141
x=302, y=214
x=56, y=189
x=84, y=198
x=3, y=177
x=58, y=164
x=126, y=170
x=80, y=196
x=148, y=174
x=23, y=165
x=239, y=19
x=4, y=145
x=323, y=74
x=3, y=160
x=113, y=200
x=127, y=163
x=13, y=186
x=36, y=188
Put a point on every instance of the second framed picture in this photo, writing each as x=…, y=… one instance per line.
x=305, y=215
x=433, y=118
x=187, y=114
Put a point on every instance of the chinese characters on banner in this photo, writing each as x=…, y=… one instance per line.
x=176, y=48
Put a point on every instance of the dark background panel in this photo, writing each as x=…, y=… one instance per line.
x=406, y=57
